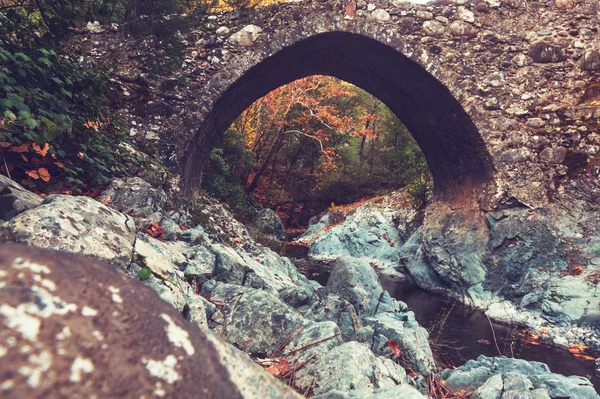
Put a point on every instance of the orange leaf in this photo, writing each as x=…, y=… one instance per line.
x=41, y=151
x=155, y=230
x=24, y=158
x=4, y=144
x=278, y=368
x=33, y=174
x=44, y=174
x=21, y=148
x=395, y=347
x=59, y=164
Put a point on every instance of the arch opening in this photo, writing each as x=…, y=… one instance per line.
x=453, y=148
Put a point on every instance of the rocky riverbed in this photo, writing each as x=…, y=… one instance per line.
x=253, y=318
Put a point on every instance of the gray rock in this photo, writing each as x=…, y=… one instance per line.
x=543, y=52
x=222, y=31
x=380, y=15
x=418, y=267
x=508, y=386
x=488, y=375
x=553, y=155
x=70, y=338
x=461, y=28
x=136, y=198
x=516, y=155
x=297, y=296
x=433, y=28
x=264, y=270
x=591, y=60
x=74, y=224
x=268, y=222
x=15, y=199
x=411, y=337
x=195, y=310
x=201, y=263
x=256, y=321
x=340, y=311
x=372, y=232
x=495, y=79
x=352, y=367
x=403, y=391
x=246, y=36
x=195, y=235
x=465, y=14
x=172, y=230
x=355, y=281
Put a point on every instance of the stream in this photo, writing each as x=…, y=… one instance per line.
x=459, y=333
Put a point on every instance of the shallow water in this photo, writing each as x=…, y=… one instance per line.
x=459, y=333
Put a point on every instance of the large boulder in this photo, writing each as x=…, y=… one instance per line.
x=253, y=320
x=75, y=224
x=356, y=281
x=264, y=269
x=412, y=339
x=15, y=199
x=136, y=198
x=75, y=327
x=352, y=367
x=508, y=378
x=373, y=231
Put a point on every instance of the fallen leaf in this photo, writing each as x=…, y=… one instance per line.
x=59, y=164
x=44, y=174
x=278, y=368
x=33, y=174
x=24, y=158
x=155, y=230
x=21, y=148
x=484, y=341
x=41, y=150
x=236, y=240
x=5, y=144
x=395, y=347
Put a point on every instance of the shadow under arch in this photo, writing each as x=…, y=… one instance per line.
x=451, y=143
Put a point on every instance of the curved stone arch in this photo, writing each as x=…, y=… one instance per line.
x=369, y=55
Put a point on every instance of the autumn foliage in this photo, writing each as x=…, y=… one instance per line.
x=312, y=142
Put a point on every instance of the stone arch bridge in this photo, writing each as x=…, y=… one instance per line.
x=493, y=91
x=501, y=95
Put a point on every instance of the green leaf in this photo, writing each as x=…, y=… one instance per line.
x=22, y=57
x=15, y=98
x=63, y=121
x=145, y=273
x=30, y=123
x=10, y=115
x=45, y=61
x=66, y=93
x=24, y=114
x=40, y=140
x=57, y=81
x=50, y=134
x=22, y=107
x=6, y=103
